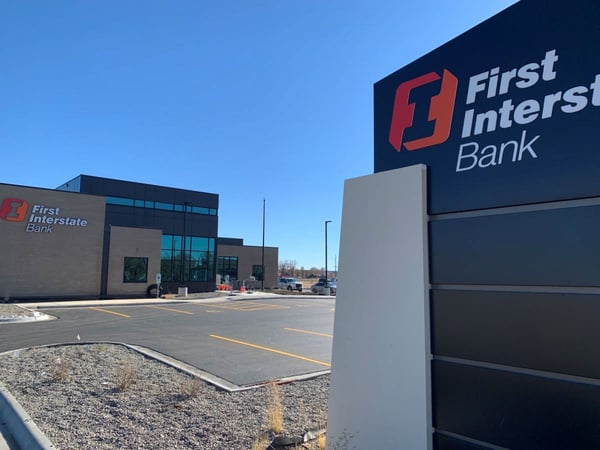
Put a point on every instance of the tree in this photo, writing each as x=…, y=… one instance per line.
x=287, y=268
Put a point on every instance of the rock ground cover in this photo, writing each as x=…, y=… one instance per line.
x=72, y=394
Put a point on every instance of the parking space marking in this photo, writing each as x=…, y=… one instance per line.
x=169, y=309
x=315, y=333
x=272, y=350
x=251, y=306
x=108, y=311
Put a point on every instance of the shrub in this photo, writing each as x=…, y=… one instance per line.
x=60, y=369
x=275, y=409
x=126, y=376
x=190, y=387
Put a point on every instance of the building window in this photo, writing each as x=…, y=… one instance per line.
x=149, y=204
x=257, y=272
x=198, y=259
x=228, y=265
x=135, y=270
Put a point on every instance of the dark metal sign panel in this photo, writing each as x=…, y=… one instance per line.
x=552, y=332
x=507, y=113
x=513, y=410
x=554, y=247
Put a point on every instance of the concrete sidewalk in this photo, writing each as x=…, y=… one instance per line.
x=192, y=298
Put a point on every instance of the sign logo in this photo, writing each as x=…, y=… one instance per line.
x=441, y=108
x=42, y=219
x=13, y=209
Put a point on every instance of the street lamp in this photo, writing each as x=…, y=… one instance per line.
x=262, y=267
x=326, y=277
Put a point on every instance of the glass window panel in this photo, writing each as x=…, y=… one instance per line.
x=199, y=243
x=257, y=272
x=212, y=212
x=199, y=210
x=138, y=203
x=166, y=269
x=176, y=271
x=178, y=208
x=198, y=266
x=228, y=265
x=186, y=274
x=167, y=242
x=177, y=242
x=211, y=244
x=148, y=204
x=165, y=206
x=135, y=270
x=119, y=201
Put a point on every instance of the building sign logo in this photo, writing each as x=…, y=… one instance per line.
x=41, y=219
x=13, y=210
x=492, y=85
x=441, y=108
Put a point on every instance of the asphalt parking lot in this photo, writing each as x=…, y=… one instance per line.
x=242, y=340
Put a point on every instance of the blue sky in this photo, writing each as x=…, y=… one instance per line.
x=248, y=99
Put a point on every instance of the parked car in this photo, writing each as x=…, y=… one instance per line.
x=290, y=284
x=319, y=288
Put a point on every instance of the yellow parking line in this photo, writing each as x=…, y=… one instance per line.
x=264, y=308
x=272, y=350
x=250, y=307
x=108, y=311
x=309, y=332
x=169, y=309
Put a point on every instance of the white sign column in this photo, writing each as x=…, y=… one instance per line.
x=380, y=394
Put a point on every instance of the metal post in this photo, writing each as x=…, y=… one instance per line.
x=262, y=277
x=326, y=277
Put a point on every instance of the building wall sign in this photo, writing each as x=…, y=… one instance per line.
x=39, y=218
x=507, y=104
x=54, y=240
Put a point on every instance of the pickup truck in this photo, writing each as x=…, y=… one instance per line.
x=290, y=284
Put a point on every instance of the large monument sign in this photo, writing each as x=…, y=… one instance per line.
x=506, y=113
x=487, y=176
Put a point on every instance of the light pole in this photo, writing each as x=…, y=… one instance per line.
x=262, y=276
x=326, y=277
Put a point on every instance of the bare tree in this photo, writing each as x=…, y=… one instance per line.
x=282, y=268
x=287, y=268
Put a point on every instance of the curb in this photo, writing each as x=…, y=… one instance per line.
x=26, y=315
x=23, y=429
x=37, y=317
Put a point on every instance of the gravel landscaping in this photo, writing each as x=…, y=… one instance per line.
x=72, y=393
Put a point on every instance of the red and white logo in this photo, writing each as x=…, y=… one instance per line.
x=441, y=108
x=13, y=209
